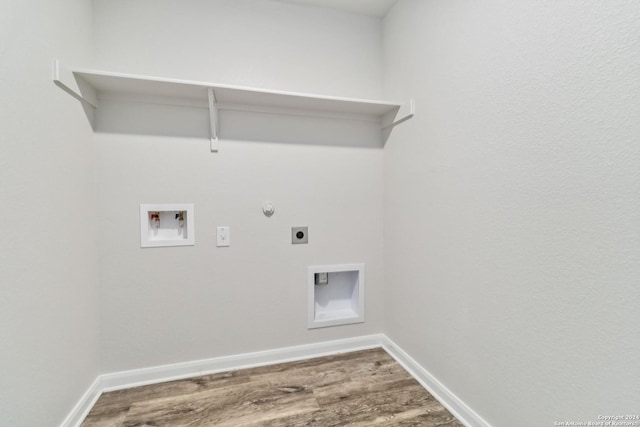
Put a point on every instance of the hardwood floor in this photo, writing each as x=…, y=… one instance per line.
x=362, y=388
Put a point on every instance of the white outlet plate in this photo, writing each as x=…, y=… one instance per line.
x=223, y=236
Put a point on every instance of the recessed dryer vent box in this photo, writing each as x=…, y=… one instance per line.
x=166, y=225
x=337, y=299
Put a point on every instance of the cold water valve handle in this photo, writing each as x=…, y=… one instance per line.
x=180, y=218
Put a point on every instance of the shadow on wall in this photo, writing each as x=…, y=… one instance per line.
x=137, y=118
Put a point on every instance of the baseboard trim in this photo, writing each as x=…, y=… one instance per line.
x=84, y=405
x=455, y=405
x=176, y=371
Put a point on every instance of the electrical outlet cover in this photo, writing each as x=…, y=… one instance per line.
x=223, y=236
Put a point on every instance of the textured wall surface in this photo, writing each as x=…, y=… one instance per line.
x=48, y=274
x=512, y=203
x=178, y=304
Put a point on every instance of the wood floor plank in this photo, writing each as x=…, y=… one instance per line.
x=105, y=420
x=416, y=417
x=241, y=405
x=326, y=362
x=111, y=407
x=358, y=389
x=365, y=408
x=333, y=395
x=306, y=378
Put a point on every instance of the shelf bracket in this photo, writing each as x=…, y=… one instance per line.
x=74, y=85
x=404, y=113
x=213, y=121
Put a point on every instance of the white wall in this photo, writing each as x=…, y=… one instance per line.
x=48, y=274
x=179, y=304
x=260, y=43
x=512, y=213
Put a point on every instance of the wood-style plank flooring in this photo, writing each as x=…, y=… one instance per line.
x=363, y=388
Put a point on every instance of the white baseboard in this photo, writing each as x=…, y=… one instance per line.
x=157, y=374
x=84, y=405
x=176, y=371
x=455, y=405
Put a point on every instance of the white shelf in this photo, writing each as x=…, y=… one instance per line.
x=89, y=86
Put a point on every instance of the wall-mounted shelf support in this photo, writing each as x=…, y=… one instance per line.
x=213, y=121
x=404, y=113
x=78, y=88
x=349, y=116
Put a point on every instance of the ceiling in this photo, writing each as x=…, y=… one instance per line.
x=376, y=8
